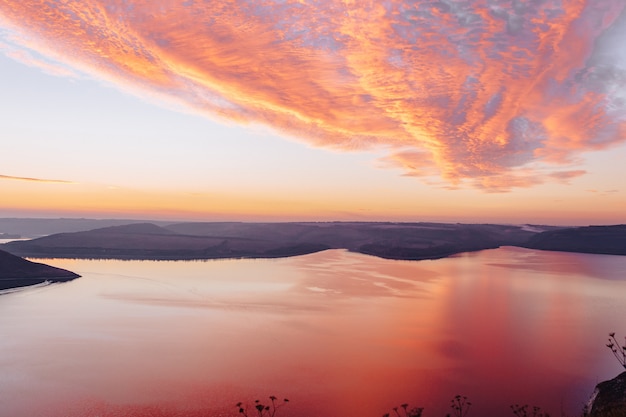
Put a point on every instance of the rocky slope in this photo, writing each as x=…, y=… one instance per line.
x=609, y=398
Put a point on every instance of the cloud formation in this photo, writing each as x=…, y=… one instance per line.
x=490, y=93
x=10, y=177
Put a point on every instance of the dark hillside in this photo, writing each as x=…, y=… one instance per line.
x=268, y=240
x=610, y=240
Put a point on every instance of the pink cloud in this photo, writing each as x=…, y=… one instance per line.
x=26, y=58
x=488, y=94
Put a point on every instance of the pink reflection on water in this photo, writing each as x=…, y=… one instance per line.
x=337, y=333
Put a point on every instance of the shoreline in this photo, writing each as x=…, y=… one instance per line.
x=197, y=257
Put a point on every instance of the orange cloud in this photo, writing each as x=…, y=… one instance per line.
x=486, y=93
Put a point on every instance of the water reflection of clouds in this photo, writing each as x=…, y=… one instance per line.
x=341, y=273
x=249, y=305
x=611, y=267
x=296, y=284
x=327, y=330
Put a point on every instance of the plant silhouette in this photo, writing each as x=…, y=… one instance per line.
x=524, y=411
x=262, y=410
x=406, y=412
x=618, y=351
x=460, y=405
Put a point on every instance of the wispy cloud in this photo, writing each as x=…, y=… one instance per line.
x=27, y=58
x=485, y=93
x=603, y=192
x=10, y=177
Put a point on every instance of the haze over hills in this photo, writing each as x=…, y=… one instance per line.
x=32, y=228
x=18, y=272
x=266, y=240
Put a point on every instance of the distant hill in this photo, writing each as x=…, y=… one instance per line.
x=610, y=240
x=266, y=240
x=31, y=228
x=18, y=272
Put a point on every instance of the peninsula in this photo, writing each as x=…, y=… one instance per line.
x=18, y=272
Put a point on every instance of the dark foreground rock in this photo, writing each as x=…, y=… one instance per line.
x=18, y=272
x=609, y=398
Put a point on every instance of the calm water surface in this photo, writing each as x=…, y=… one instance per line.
x=339, y=334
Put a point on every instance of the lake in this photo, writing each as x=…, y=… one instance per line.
x=337, y=333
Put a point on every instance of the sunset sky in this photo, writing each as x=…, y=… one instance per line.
x=277, y=110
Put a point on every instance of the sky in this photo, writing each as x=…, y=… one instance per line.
x=314, y=110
